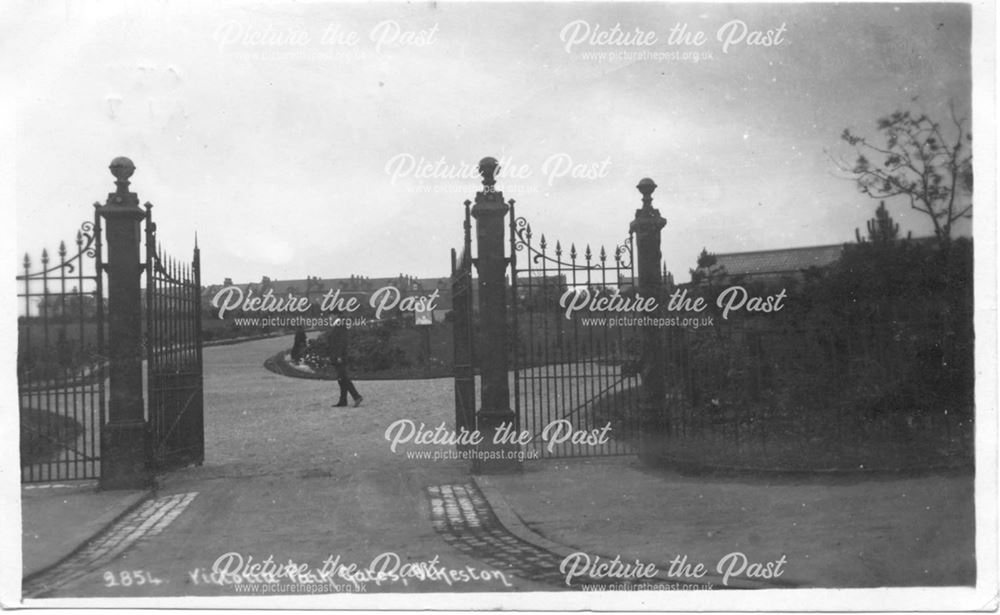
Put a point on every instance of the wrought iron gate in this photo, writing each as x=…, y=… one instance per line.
x=464, y=340
x=582, y=369
x=79, y=359
x=61, y=362
x=173, y=352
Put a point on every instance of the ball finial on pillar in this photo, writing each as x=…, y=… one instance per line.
x=122, y=168
x=646, y=186
x=487, y=168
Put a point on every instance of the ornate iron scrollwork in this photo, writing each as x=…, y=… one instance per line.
x=522, y=234
x=623, y=252
x=86, y=246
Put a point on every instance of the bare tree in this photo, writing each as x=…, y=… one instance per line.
x=914, y=158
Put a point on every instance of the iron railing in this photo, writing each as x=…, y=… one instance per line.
x=61, y=361
x=174, y=354
x=573, y=371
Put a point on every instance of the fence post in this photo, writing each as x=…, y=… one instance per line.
x=125, y=437
x=647, y=225
x=489, y=211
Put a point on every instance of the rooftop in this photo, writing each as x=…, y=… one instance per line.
x=771, y=262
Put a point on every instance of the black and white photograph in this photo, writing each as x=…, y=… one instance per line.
x=528, y=305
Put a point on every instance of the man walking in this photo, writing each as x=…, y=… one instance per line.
x=338, y=357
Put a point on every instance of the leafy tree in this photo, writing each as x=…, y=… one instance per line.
x=912, y=157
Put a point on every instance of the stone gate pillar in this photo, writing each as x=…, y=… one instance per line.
x=125, y=442
x=647, y=225
x=495, y=412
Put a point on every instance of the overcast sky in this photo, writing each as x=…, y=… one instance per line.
x=289, y=157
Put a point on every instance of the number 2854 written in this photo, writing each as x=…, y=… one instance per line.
x=128, y=578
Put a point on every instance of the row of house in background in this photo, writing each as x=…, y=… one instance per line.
x=760, y=265
x=750, y=266
x=729, y=267
x=359, y=286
